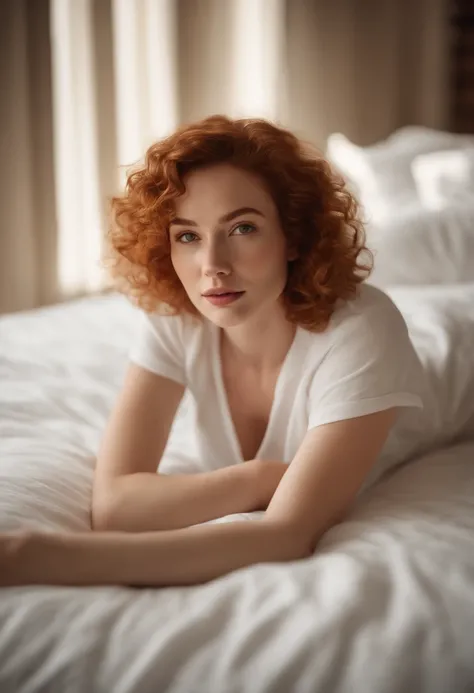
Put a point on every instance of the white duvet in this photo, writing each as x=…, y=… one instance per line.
x=386, y=604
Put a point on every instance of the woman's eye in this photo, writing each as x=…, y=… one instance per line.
x=244, y=229
x=187, y=237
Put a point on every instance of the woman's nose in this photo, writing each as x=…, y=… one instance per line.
x=216, y=260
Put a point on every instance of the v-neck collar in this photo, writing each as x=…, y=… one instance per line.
x=282, y=379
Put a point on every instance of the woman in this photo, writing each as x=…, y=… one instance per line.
x=245, y=252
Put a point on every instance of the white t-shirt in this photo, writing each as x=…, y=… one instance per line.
x=362, y=363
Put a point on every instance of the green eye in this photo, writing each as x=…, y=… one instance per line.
x=248, y=228
x=184, y=238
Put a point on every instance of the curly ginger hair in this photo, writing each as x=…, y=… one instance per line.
x=318, y=215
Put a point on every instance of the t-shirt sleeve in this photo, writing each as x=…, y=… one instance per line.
x=371, y=365
x=159, y=345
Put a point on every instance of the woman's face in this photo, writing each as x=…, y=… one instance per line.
x=226, y=237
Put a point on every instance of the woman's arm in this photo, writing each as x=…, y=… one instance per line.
x=128, y=494
x=147, y=501
x=177, y=557
x=320, y=485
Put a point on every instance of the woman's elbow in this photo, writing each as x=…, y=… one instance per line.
x=102, y=512
x=290, y=542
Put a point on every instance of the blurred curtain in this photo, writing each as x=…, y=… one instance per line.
x=87, y=85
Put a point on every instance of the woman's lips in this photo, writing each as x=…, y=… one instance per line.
x=224, y=299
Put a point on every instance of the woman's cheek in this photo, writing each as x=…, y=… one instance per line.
x=266, y=259
x=183, y=263
x=257, y=253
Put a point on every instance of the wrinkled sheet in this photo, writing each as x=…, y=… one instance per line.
x=385, y=605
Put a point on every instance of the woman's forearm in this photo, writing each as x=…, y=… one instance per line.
x=177, y=557
x=145, y=502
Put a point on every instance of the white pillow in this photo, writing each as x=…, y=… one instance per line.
x=412, y=138
x=440, y=322
x=353, y=164
x=381, y=175
x=424, y=247
x=445, y=177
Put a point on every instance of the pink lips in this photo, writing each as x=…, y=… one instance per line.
x=224, y=299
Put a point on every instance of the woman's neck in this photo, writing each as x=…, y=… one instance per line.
x=261, y=344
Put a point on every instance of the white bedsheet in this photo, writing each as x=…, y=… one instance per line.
x=385, y=605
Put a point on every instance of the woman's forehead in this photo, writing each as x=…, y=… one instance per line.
x=220, y=189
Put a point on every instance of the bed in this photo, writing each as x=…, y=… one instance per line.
x=385, y=605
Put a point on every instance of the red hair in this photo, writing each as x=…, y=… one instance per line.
x=318, y=215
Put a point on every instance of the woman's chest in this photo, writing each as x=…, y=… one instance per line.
x=249, y=402
x=239, y=416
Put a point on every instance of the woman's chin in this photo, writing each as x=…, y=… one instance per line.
x=225, y=316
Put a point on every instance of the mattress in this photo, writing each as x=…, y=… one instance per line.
x=385, y=605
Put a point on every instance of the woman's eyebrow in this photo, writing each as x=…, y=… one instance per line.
x=227, y=217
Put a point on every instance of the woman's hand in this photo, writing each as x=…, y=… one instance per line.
x=266, y=476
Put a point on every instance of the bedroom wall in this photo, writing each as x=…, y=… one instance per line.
x=367, y=68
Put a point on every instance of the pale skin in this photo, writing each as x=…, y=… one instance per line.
x=149, y=528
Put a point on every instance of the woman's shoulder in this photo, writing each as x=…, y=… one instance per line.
x=162, y=330
x=368, y=326
x=181, y=326
x=371, y=309
x=369, y=360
